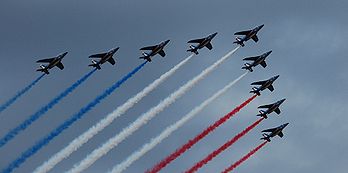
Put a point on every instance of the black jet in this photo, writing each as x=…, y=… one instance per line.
x=277, y=131
x=157, y=49
x=249, y=34
x=256, y=61
x=104, y=57
x=52, y=62
x=274, y=107
x=266, y=84
x=202, y=42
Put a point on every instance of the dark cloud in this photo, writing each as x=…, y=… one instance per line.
x=308, y=42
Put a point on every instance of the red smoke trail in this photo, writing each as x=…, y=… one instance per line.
x=246, y=157
x=223, y=147
x=200, y=136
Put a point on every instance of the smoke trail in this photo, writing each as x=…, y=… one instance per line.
x=19, y=94
x=82, y=139
x=32, y=118
x=143, y=119
x=244, y=158
x=169, y=130
x=223, y=147
x=197, y=138
x=44, y=141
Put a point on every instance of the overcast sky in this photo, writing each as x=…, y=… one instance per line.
x=308, y=39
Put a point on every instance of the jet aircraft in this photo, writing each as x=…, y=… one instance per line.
x=249, y=34
x=52, y=62
x=264, y=84
x=104, y=57
x=274, y=107
x=256, y=61
x=157, y=49
x=202, y=42
x=277, y=131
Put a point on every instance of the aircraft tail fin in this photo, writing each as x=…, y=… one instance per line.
x=262, y=114
x=255, y=91
x=145, y=56
x=266, y=137
x=43, y=69
x=95, y=64
x=247, y=66
x=193, y=49
x=239, y=41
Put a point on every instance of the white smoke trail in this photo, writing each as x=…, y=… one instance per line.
x=86, y=136
x=143, y=119
x=170, y=129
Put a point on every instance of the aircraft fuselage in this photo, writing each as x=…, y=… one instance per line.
x=251, y=34
x=266, y=85
x=106, y=57
x=206, y=41
x=275, y=106
x=258, y=61
x=56, y=61
x=278, y=130
x=53, y=63
x=158, y=48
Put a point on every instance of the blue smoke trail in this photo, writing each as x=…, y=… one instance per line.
x=44, y=141
x=26, y=123
x=20, y=93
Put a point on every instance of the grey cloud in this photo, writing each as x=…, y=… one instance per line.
x=309, y=52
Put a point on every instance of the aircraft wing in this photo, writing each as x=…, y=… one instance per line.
x=255, y=38
x=242, y=32
x=263, y=64
x=265, y=106
x=271, y=88
x=148, y=48
x=258, y=83
x=277, y=111
x=47, y=60
x=209, y=46
x=111, y=61
x=60, y=65
x=280, y=134
x=200, y=40
x=99, y=55
x=162, y=53
x=254, y=58
x=269, y=130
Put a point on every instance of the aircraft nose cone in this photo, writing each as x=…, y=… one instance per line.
x=269, y=52
x=275, y=77
x=167, y=41
x=63, y=54
x=213, y=35
x=282, y=100
x=286, y=124
x=261, y=26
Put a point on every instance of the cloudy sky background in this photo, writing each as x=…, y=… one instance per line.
x=308, y=39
